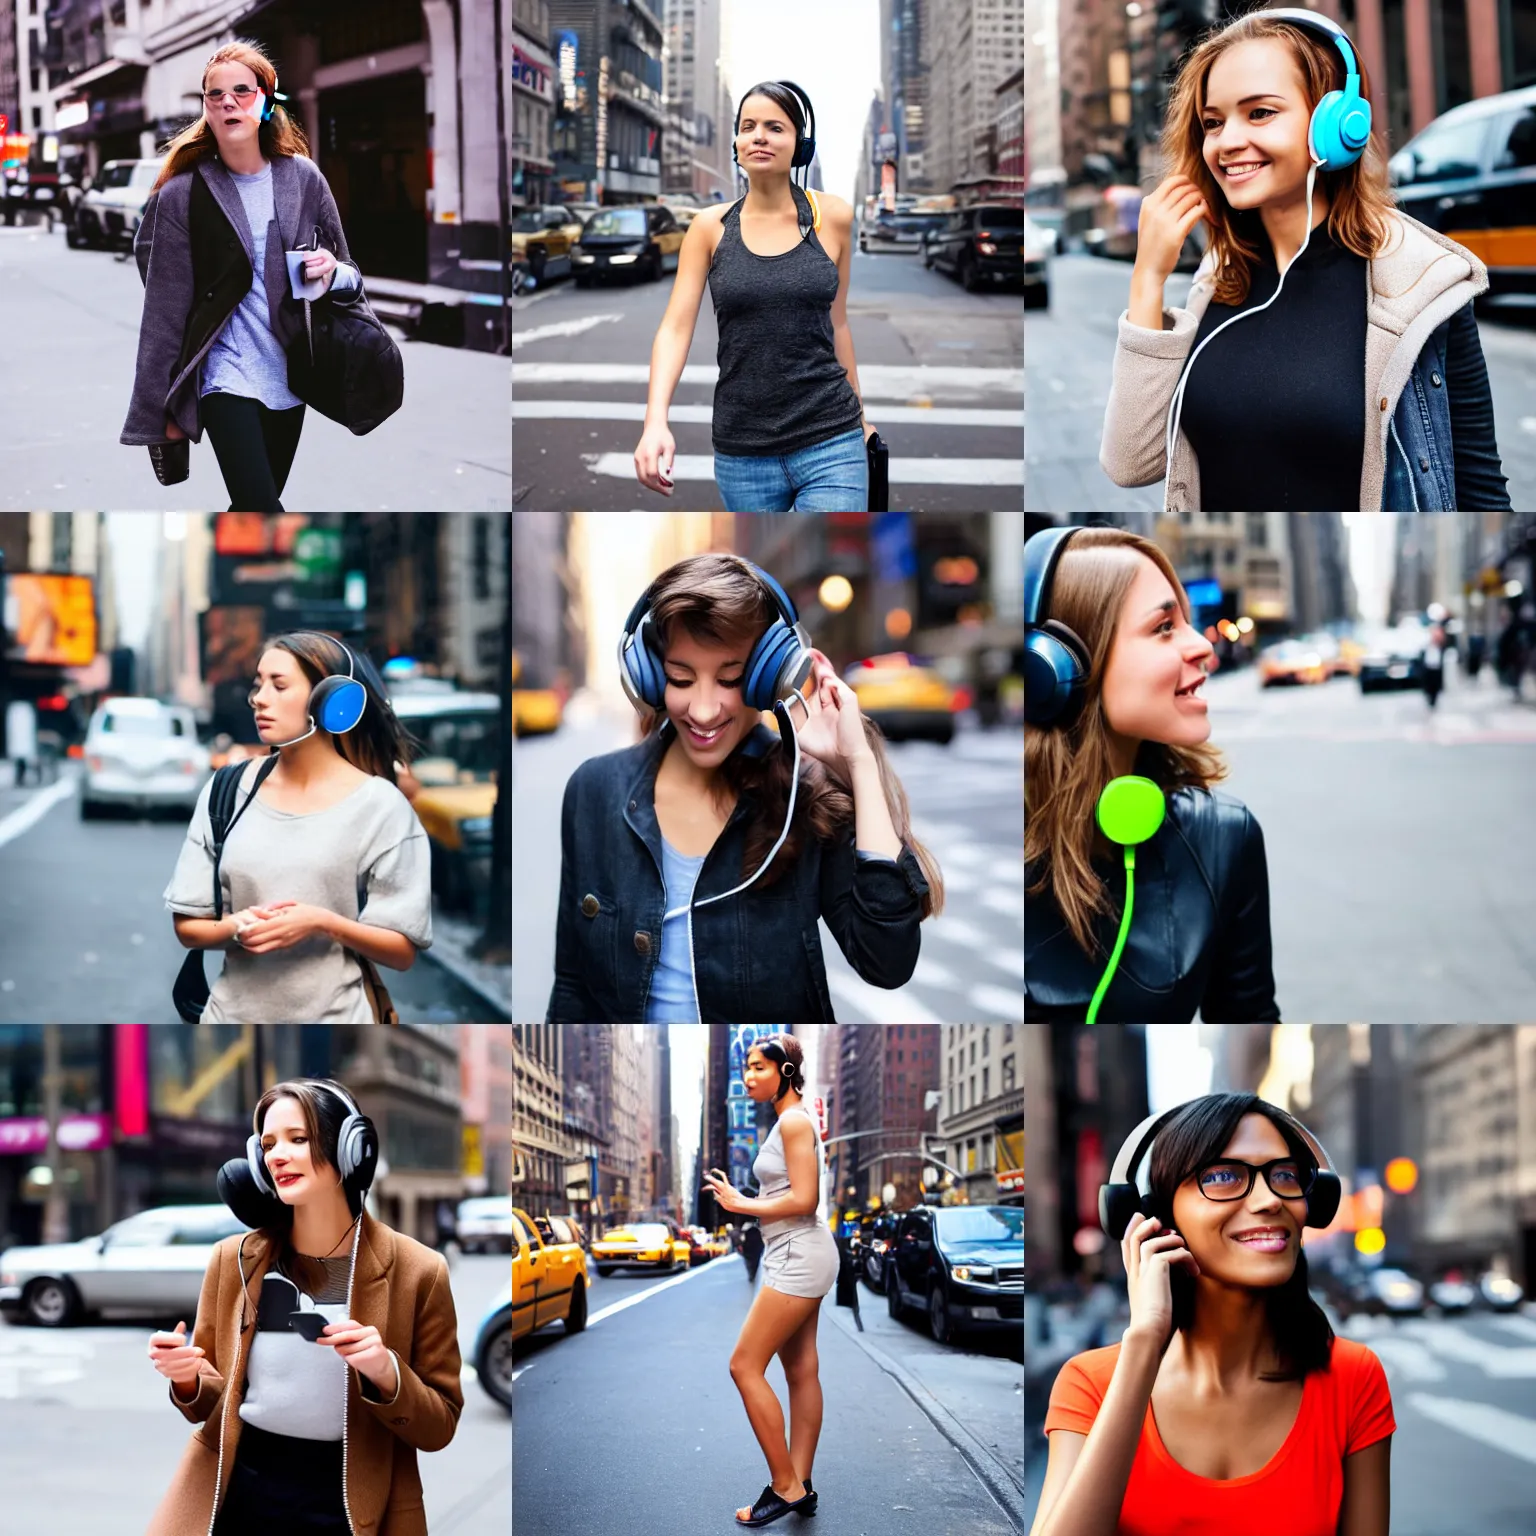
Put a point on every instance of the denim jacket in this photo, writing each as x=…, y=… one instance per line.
x=757, y=955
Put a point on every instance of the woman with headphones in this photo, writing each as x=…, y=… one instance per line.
x=325, y=871
x=316, y=1441
x=1229, y=1404
x=789, y=428
x=1327, y=354
x=1113, y=672
x=696, y=865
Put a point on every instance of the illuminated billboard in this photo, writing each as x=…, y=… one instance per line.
x=51, y=620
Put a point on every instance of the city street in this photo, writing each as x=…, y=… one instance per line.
x=87, y=936
x=1388, y=829
x=88, y=1441
x=940, y=370
x=918, y=1439
x=1071, y=349
x=967, y=808
x=70, y=320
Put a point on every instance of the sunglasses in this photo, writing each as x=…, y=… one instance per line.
x=243, y=94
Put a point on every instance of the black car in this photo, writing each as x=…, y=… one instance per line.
x=980, y=244
x=1394, y=658
x=963, y=1264
x=877, y=1244
x=1471, y=174
x=638, y=242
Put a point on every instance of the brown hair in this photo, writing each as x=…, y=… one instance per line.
x=1360, y=199
x=718, y=601
x=786, y=1051
x=280, y=135
x=1066, y=768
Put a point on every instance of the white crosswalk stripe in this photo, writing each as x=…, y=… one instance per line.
x=876, y=381
x=634, y=410
x=701, y=466
x=998, y=1002
x=1511, y=1433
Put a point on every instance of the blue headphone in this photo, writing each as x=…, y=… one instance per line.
x=336, y=703
x=1056, y=661
x=271, y=102
x=1341, y=121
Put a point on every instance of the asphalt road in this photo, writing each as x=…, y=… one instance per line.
x=88, y=1441
x=1071, y=351
x=967, y=804
x=917, y=1439
x=941, y=373
x=70, y=320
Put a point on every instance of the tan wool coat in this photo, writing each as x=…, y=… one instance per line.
x=399, y=1286
x=1420, y=280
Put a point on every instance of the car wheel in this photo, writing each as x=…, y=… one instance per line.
x=927, y=261
x=89, y=810
x=605, y=1270
x=493, y=1365
x=576, y=1317
x=52, y=1303
x=939, y=1325
x=1038, y=297
x=968, y=279
x=893, y=1296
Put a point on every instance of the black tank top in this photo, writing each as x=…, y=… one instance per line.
x=781, y=387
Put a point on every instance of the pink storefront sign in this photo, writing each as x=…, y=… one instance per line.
x=77, y=1133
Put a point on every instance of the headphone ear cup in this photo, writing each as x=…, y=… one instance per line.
x=1323, y=1199
x=240, y=1189
x=1055, y=674
x=645, y=673
x=766, y=665
x=337, y=704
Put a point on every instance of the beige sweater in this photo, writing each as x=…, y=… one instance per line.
x=1418, y=282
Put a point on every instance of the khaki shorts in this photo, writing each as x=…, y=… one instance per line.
x=801, y=1262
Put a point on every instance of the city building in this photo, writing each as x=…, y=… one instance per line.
x=890, y=1073
x=970, y=48
x=980, y=1130
x=700, y=112
x=602, y=1083
x=533, y=103
x=905, y=31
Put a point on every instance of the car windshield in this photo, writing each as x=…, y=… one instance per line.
x=982, y=1224
x=616, y=221
x=118, y=175
x=154, y=726
x=491, y=1205
x=145, y=174
x=648, y=1233
x=1001, y=218
x=466, y=740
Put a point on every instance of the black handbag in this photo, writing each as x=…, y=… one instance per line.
x=879, y=473
x=190, y=991
x=346, y=365
x=172, y=461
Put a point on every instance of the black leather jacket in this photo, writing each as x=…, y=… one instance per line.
x=756, y=956
x=1199, y=928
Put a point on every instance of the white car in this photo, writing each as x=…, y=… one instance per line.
x=151, y=1263
x=144, y=755
x=484, y=1224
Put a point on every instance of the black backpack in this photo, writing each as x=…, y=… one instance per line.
x=190, y=992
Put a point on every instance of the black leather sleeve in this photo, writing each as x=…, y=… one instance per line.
x=874, y=909
x=1480, y=482
x=570, y=1000
x=1241, y=987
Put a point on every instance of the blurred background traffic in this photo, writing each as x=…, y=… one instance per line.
x=922, y=615
x=110, y=1140
x=923, y=1189
x=1429, y=1261
x=127, y=645
x=1374, y=697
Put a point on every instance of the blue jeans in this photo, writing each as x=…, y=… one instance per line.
x=827, y=477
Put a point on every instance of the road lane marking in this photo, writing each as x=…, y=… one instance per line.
x=877, y=381
x=876, y=1003
x=35, y=809
x=560, y=328
x=701, y=466
x=634, y=410
x=1453, y=1342
x=999, y=1002
x=1504, y=1431
x=639, y=1296
x=1406, y=1358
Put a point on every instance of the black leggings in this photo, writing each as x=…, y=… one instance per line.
x=280, y=1483
x=255, y=448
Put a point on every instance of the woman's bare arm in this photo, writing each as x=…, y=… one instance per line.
x=804, y=1185
x=205, y=932
x=381, y=945
x=1367, y=1491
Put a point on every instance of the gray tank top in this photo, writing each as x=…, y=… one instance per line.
x=772, y=1175
x=781, y=387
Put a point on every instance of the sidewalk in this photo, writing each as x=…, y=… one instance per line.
x=452, y=940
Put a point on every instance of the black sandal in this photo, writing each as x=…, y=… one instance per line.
x=770, y=1507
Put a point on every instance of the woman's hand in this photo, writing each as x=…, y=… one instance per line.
x=172, y=431
x=869, y=431
x=834, y=730
x=170, y=1354
x=729, y=1199
x=1150, y=1254
x=246, y=919
x=1164, y=223
x=361, y=1347
x=654, y=457
x=320, y=264
x=284, y=924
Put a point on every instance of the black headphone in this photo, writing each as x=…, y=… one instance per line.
x=805, y=147
x=1122, y=1197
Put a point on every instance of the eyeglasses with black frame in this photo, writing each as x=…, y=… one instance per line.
x=1231, y=1179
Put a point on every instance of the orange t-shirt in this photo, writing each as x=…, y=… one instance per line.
x=1343, y=1409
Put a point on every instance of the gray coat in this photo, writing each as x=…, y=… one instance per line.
x=194, y=280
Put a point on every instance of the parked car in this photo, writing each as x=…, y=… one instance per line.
x=872, y=1251
x=1499, y=1292
x=35, y=185
x=904, y=696
x=544, y=239
x=108, y=215
x=1471, y=174
x=150, y=1264
x=549, y=1282
x=1039, y=244
x=963, y=1264
x=484, y=1224
x=1393, y=658
x=144, y=756
x=1453, y=1294
x=637, y=1245
x=535, y=711
x=639, y=242
x=1291, y=661
x=980, y=244
x=492, y=1352
x=901, y=230
x=1393, y=1293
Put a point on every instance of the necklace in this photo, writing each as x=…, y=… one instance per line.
x=321, y=1258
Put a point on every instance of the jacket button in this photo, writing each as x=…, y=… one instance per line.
x=633, y=804
x=1423, y=463
x=589, y=906
x=642, y=943
x=209, y=294
x=1383, y=402
x=1434, y=379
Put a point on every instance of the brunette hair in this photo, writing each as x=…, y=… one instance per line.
x=784, y=99
x=280, y=135
x=1066, y=768
x=1361, y=204
x=718, y=601
x=378, y=741
x=786, y=1051
x=1196, y=1137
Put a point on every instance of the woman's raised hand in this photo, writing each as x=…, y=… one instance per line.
x=175, y=1359
x=1166, y=218
x=1150, y=1253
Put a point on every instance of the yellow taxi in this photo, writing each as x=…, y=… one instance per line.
x=549, y=1275
x=640, y=1245
x=535, y=711
x=1292, y=661
x=904, y=696
x=545, y=237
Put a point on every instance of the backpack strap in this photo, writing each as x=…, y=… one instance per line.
x=222, y=815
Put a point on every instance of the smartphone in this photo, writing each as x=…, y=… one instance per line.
x=310, y=1324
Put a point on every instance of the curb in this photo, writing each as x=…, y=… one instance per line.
x=993, y=1473
x=500, y=1009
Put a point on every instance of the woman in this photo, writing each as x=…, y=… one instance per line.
x=1361, y=385
x=788, y=427
x=650, y=833
x=799, y=1268
x=237, y=190
x=300, y=1441
x=1228, y=1405
x=326, y=871
x=1199, y=935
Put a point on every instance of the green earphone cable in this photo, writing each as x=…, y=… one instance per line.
x=1125, y=928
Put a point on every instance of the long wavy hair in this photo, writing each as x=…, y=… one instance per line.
x=279, y=135
x=378, y=741
x=1066, y=768
x=1196, y=1137
x=717, y=601
x=1361, y=204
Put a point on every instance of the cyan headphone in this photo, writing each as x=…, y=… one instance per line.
x=270, y=105
x=1122, y=1197
x=336, y=703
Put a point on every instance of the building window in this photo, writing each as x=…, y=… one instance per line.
x=986, y=1041
x=482, y=559
x=1008, y=1074
x=986, y=1082
x=973, y=1053
x=973, y=1090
